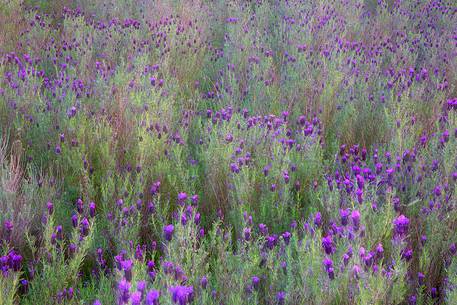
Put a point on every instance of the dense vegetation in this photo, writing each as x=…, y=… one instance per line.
x=228, y=152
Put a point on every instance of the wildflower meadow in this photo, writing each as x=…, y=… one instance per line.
x=299, y=152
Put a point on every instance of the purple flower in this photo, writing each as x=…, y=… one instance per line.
x=152, y=297
x=234, y=168
x=255, y=282
x=204, y=282
x=229, y=138
x=141, y=286
x=123, y=289
x=453, y=248
x=135, y=299
x=407, y=254
x=127, y=267
x=273, y=187
x=420, y=278
x=71, y=112
x=356, y=270
x=50, y=207
x=182, y=197
x=280, y=297
x=194, y=199
x=168, y=232
x=344, y=214
x=182, y=295
x=272, y=241
x=401, y=224
x=154, y=188
x=286, y=236
x=84, y=229
x=92, y=209
x=183, y=219
x=355, y=217
x=151, y=265
x=74, y=220
x=247, y=233
x=327, y=244
x=328, y=265
x=318, y=219
x=423, y=239
x=434, y=292
x=263, y=229
x=379, y=250
x=8, y=225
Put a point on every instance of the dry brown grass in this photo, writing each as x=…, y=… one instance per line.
x=12, y=23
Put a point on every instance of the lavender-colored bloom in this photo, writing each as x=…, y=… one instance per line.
x=135, y=298
x=50, y=207
x=154, y=189
x=423, y=239
x=24, y=285
x=379, y=251
x=92, y=209
x=271, y=241
x=168, y=267
x=344, y=214
x=182, y=295
x=434, y=292
x=453, y=248
x=168, y=232
x=346, y=259
x=247, y=234
x=124, y=291
x=255, y=282
x=127, y=267
x=182, y=197
x=79, y=205
x=234, y=168
x=150, y=265
x=197, y=218
x=194, y=199
x=141, y=286
x=70, y=293
x=229, y=138
x=286, y=237
x=280, y=297
x=356, y=271
x=84, y=227
x=183, y=219
x=420, y=278
x=401, y=224
x=407, y=254
x=203, y=282
x=328, y=265
x=273, y=187
x=263, y=229
x=152, y=297
x=97, y=302
x=152, y=275
x=355, y=217
x=119, y=203
x=74, y=220
x=318, y=219
x=327, y=244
